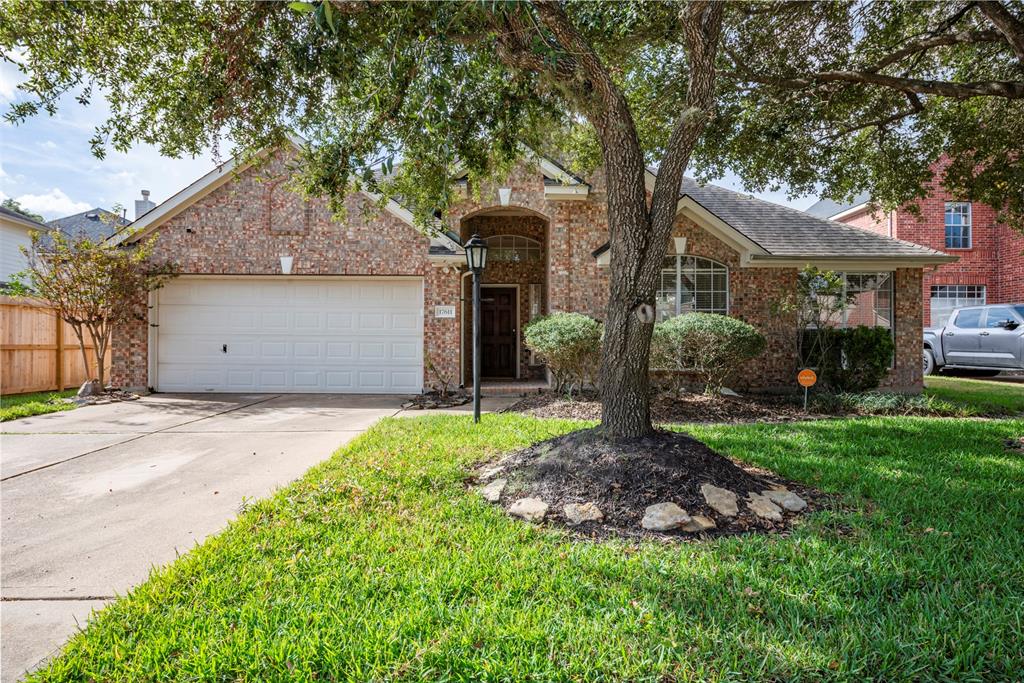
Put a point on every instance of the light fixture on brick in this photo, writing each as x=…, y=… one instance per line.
x=505, y=195
x=286, y=265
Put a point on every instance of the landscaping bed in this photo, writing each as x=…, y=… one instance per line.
x=666, y=485
x=669, y=408
x=380, y=564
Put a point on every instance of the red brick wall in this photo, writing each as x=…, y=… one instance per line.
x=995, y=259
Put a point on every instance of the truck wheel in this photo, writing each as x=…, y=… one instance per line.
x=929, y=362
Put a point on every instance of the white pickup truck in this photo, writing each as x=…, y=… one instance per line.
x=986, y=339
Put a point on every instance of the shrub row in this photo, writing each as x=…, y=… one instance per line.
x=712, y=347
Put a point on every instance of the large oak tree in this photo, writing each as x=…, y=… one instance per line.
x=833, y=96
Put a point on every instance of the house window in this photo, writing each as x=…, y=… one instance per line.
x=514, y=248
x=691, y=283
x=958, y=225
x=947, y=298
x=870, y=297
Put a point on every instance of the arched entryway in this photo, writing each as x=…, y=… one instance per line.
x=514, y=291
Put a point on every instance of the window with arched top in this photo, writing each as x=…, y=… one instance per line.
x=692, y=283
x=514, y=248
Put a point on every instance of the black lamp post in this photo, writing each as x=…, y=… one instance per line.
x=476, y=259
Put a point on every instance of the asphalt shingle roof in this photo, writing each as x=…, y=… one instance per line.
x=21, y=218
x=826, y=208
x=94, y=224
x=782, y=231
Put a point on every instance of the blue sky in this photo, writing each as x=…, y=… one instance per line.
x=46, y=163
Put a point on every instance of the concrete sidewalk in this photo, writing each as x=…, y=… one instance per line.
x=93, y=498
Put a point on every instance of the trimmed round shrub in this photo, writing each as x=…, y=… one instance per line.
x=711, y=346
x=858, y=358
x=570, y=344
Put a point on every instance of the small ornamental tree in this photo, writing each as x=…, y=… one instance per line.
x=93, y=287
x=709, y=345
x=818, y=303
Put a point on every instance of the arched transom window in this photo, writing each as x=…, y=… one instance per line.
x=692, y=283
x=513, y=248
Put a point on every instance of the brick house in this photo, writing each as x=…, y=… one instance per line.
x=990, y=267
x=276, y=295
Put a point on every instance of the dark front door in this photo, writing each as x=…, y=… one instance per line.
x=498, y=331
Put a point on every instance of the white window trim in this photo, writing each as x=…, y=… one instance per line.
x=892, y=296
x=970, y=226
x=679, y=280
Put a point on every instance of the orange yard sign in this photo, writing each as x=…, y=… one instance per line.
x=807, y=378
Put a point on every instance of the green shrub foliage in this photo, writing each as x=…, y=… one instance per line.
x=858, y=359
x=711, y=346
x=570, y=344
x=875, y=403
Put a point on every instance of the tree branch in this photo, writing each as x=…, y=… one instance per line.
x=702, y=22
x=1012, y=90
x=958, y=38
x=1010, y=26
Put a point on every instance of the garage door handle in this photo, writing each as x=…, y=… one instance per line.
x=224, y=348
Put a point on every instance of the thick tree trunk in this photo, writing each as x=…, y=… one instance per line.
x=625, y=399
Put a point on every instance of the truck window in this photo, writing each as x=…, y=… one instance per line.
x=997, y=315
x=968, y=319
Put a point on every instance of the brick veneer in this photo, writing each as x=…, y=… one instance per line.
x=522, y=273
x=995, y=259
x=243, y=227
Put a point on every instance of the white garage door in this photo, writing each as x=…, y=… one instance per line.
x=340, y=336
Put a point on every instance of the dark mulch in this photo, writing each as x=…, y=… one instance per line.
x=432, y=400
x=665, y=408
x=623, y=477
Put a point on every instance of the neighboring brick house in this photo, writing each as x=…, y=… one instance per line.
x=276, y=295
x=990, y=268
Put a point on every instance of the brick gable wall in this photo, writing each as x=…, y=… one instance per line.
x=243, y=227
x=995, y=259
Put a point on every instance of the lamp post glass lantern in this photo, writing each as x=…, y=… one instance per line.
x=476, y=259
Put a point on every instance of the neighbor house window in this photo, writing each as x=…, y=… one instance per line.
x=958, y=225
x=513, y=248
x=947, y=298
x=870, y=296
x=691, y=283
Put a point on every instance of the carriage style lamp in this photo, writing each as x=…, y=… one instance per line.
x=476, y=259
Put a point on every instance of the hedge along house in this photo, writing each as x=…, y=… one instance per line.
x=276, y=295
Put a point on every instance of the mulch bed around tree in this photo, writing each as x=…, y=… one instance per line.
x=690, y=407
x=624, y=477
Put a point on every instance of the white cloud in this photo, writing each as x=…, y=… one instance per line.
x=10, y=77
x=52, y=204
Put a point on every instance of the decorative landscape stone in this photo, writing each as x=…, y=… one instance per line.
x=577, y=513
x=664, y=517
x=699, y=523
x=786, y=499
x=763, y=507
x=530, y=509
x=492, y=492
x=722, y=501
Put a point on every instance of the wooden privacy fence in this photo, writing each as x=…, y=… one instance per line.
x=39, y=351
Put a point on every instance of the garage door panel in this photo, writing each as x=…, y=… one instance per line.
x=289, y=336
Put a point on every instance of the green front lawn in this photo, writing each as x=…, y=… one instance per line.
x=986, y=396
x=40, y=403
x=380, y=565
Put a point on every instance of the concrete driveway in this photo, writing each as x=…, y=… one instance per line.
x=95, y=497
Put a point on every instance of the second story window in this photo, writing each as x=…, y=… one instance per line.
x=958, y=225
